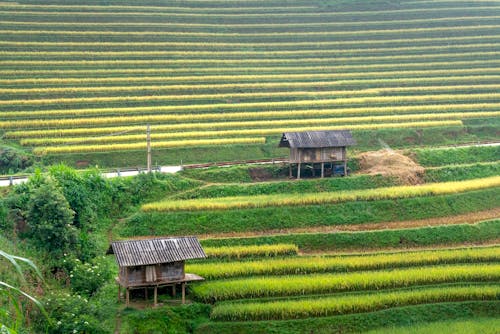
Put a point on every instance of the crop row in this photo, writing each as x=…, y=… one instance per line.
x=258, y=287
x=238, y=252
x=240, y=202
x=319, y=264
x=263, y=118
x=336, y=305
x=368, y=122
x=142, y=145
x=270, y=15
x=254, y=45
x=223, y=141
x=233, y=53
x=225, y=62
x=380, y=100
x=281, y=78
x=96, y=72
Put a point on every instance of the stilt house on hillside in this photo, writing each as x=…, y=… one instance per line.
x=153, y=263
x=323, y=147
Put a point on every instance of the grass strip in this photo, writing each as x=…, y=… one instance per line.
x=238, y=252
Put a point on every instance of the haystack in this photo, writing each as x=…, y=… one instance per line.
x=390, y=163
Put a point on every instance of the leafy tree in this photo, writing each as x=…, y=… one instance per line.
x=50, y=221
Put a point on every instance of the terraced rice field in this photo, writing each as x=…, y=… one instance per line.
x=86, y=78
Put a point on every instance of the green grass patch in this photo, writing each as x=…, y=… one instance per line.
x=275, y=218
x=478, y=325
x=459, y=155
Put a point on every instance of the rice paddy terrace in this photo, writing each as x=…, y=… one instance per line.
x=221, y=79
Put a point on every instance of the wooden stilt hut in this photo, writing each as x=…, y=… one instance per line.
x=154, y=263
x=312, y=147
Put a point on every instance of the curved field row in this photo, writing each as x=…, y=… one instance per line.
x=137, y=93
x=260, y=201
x=117, y=10
x=481, y=97
x=235, y=53
x=340, y=69
x=256, y=287
x=253, y=34
x=345, y=304
x=188, y=118
x=142, y=145
x=242, y=130
x=298, y=43
x=203, y=62
x=312, y=79
x=319, y=264
x=252, y=25
x=223, y=141
x=260, y=15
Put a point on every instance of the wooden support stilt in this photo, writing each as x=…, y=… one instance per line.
x=298, y=171
x=183, y=293
x=290, y=169
x=119, y=292
x=313, y=170
x=173, y=290
x=155, y=298
x=322, y=170
x=146, y=293
x=127, y=296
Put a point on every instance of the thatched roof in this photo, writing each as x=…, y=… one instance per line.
x=152, y=251
x=317, y=139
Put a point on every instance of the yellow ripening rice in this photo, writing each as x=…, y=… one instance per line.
x=260, y=201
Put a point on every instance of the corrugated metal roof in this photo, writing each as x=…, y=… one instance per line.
x=316, y=139
x=152, y=251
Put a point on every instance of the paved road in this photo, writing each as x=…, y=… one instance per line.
x=162, y=169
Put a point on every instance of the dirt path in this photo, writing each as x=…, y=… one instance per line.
x=472, y=217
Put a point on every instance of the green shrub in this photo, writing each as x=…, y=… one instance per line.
x=87, y=278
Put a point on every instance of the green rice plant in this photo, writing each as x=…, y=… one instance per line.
x=142, y=146
x=258, y=287
x=261, y=201
x=238, y=252
x=319, y=264
x=345, y=304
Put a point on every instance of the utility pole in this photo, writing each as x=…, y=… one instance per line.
x=148, y=146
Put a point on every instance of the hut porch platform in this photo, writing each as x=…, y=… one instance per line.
x=156, y=284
